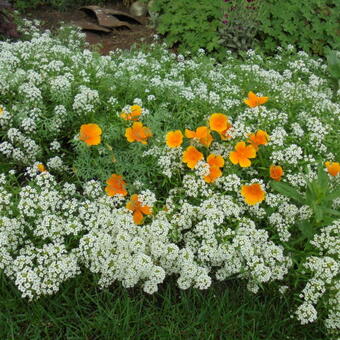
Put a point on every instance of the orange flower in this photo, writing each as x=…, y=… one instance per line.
x=219, y=122
x=276, y=172
x=41, y=167
x=215, y=162
x=202, y=133
x=224, y=134
x=253, y=100
x=259, y=138
x=192, y=156
x=253, y=193
x=215, y=172
x=242, y=154
x=138, y=133
x=138, y=210
x=1, y=111
x=90, y=134
x=135, y=112
x=333, y=168
x=174, y=139
x=115, y=185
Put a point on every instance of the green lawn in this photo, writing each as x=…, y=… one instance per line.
x=82, y=311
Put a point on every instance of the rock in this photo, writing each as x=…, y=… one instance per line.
x=150, y=5
x=138, y=9
x=89, y=26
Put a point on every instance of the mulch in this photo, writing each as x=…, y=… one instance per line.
x=114, y=38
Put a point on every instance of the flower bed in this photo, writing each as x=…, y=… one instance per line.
x=144, y=164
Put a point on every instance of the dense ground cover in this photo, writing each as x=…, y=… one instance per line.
x=146, y=164
x=217, y=25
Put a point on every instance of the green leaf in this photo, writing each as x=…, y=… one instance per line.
x=333, y=195
x=323, y=177
x=287, y=190
x=332, y=212
x=306, y=229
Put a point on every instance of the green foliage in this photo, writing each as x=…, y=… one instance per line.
x=192, y=24
x=312, y=25
x=240, y=26
x=319, y=196
x=333, y=60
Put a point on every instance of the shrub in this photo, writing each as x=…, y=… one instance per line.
x=189, y=24
x=142, y=165
x=313, y=26
x=242, y=24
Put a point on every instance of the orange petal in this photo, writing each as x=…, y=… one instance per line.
x=146, y=210
x=189, y=133
x=93, y=140
x=233, y=156
x=215, y=160
x=262, y=100
x=253, y=193
x=245, y=162
x=137, y=217
x=129, y=135
x=250, y=151
x=202, y=132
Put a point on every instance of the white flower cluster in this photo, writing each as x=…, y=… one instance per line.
x=113, y=246
x=325, y=270
x=19, y=147
x=199, y=230
x=85, y=100
x=169, y=159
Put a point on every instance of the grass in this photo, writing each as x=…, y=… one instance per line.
x=82, y=311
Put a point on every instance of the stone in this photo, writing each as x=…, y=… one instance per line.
x=138, y=9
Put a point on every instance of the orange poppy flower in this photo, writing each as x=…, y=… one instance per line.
x=138, y=210
x=276, y=172
x=135, y=112
x=219, y=122
x=215, y=172
x=192, y=156
x=333, y=168
x=253, y=100
x=215, y=162
x=202, y=133
x=1, y=111
x=224, y=134
x=116, y=185
x=90, y=134
x=242, y=154
x=138, y=133
x=253, y=193
x=174, y=139
x=259, y=138
x=41, y=167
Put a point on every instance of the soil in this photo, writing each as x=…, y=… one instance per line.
x=121, y=38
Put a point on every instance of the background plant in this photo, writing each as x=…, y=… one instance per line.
x=241, y=25
x=333, y=60
x=189, y=25
x=313, y=27
x=265, y=24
